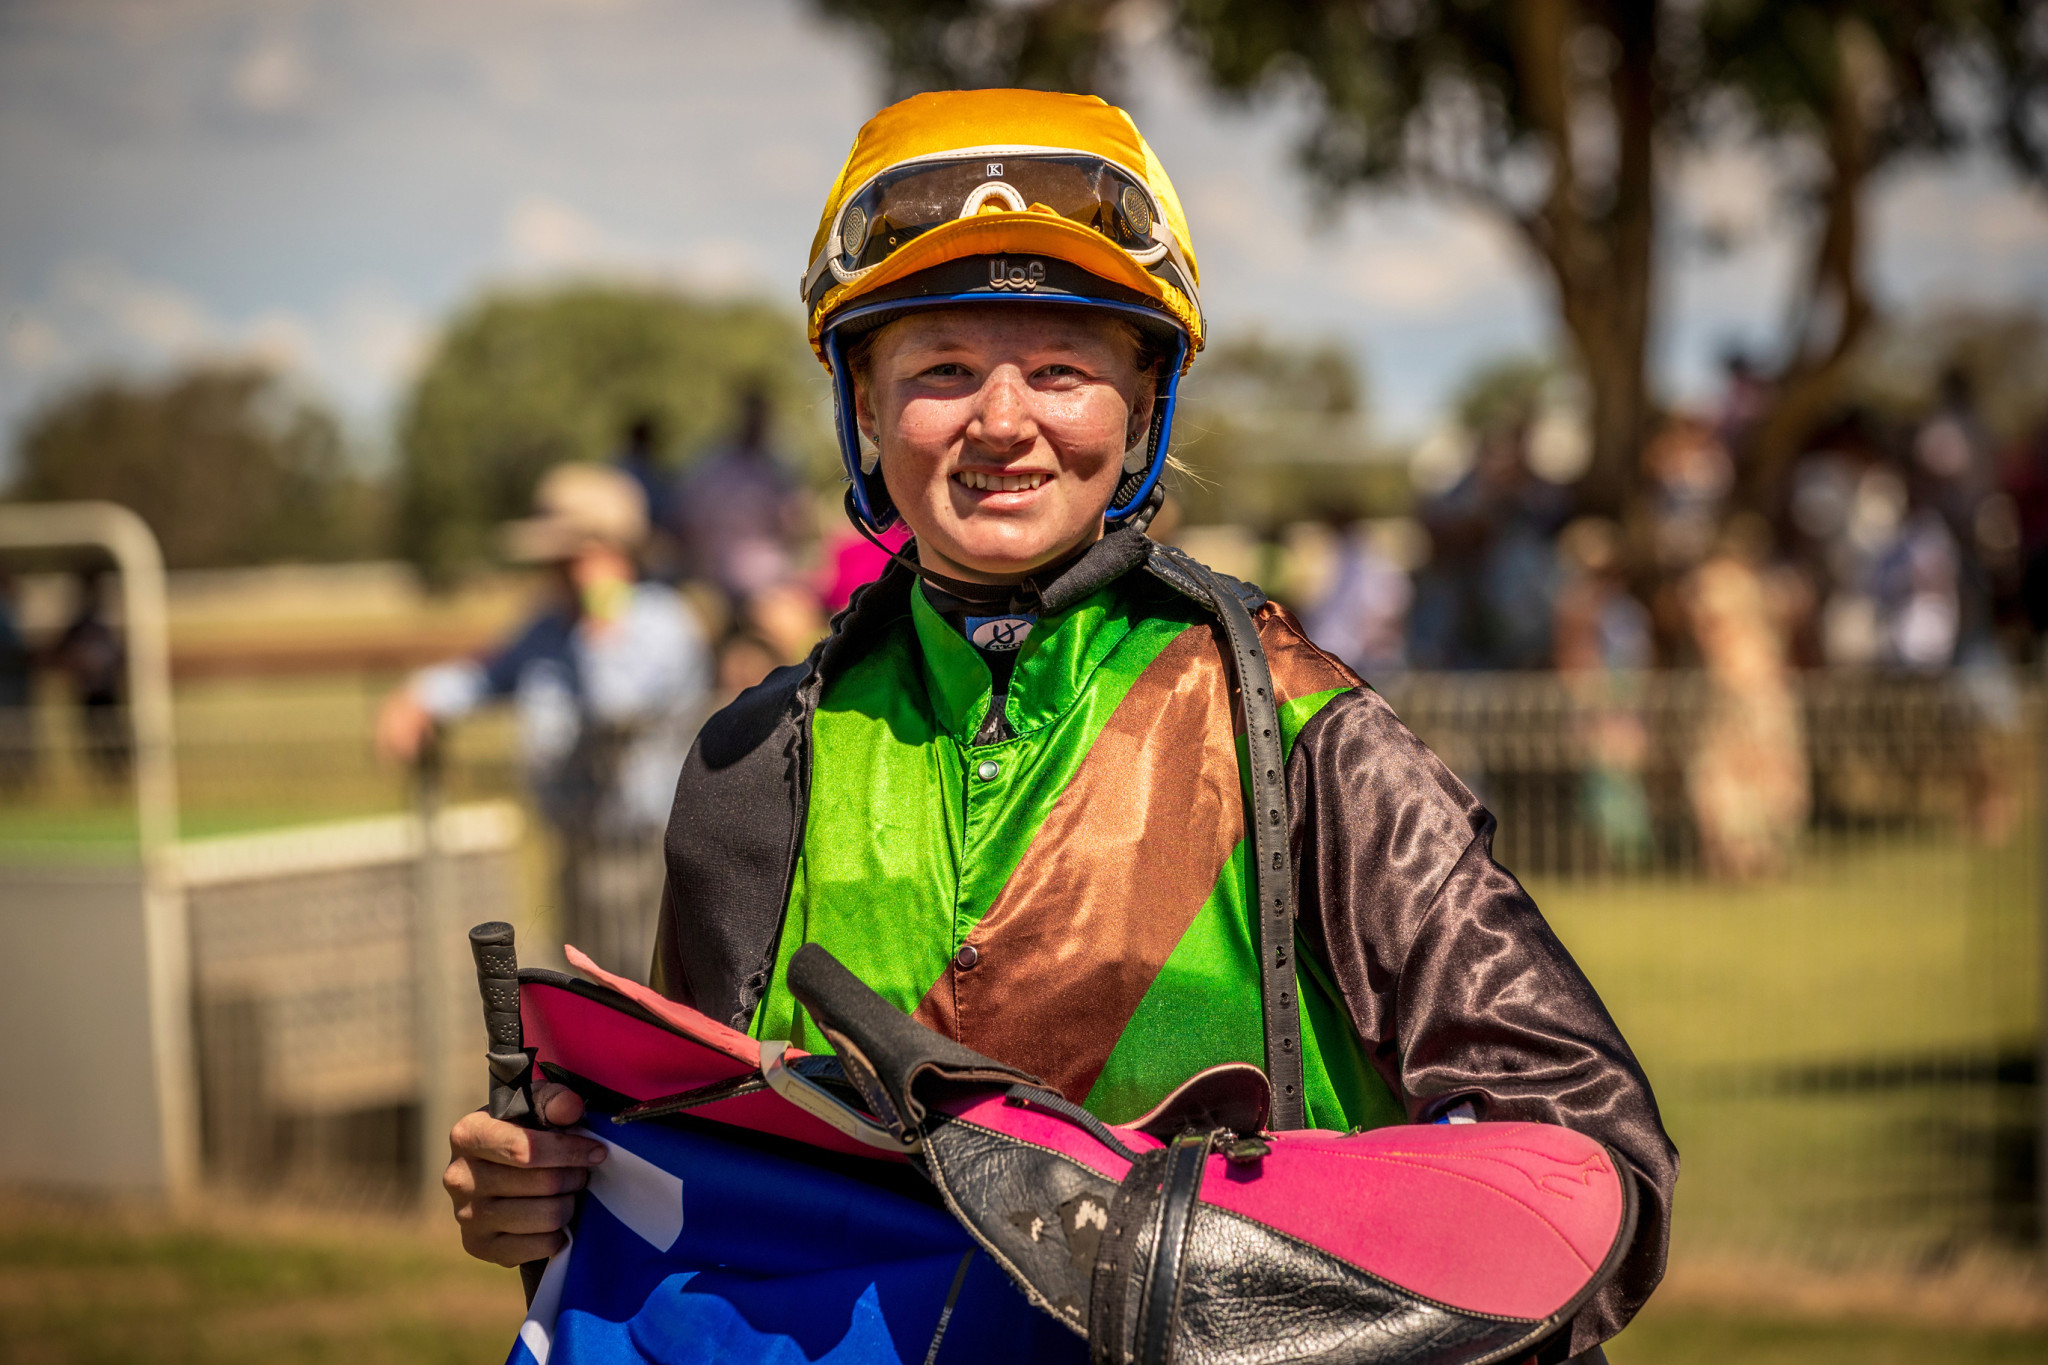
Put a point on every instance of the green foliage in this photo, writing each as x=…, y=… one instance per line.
x=524, y=381
x=1504, y=393
x=2004, y=353
x=1894, y=67
x=1270, y=432
x=227, y=463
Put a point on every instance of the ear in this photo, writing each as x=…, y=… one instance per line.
x=864, y=410
x=1140, y=424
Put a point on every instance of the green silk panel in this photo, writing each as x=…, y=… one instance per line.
x=904, y=848
x=1205, y=1009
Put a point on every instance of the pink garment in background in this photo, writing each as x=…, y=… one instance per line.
x=850, y=560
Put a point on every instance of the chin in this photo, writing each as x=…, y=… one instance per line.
x=1012, y=553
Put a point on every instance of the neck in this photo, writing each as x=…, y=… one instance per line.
x=937, y=562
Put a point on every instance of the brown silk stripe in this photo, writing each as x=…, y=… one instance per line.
x=1119, y=869
x=1300, y=668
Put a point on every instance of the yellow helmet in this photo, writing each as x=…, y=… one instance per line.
x=984, y=196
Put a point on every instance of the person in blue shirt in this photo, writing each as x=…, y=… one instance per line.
x=609, y=679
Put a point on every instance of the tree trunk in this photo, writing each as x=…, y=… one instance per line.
x=1599, y=241
x=1834, y=311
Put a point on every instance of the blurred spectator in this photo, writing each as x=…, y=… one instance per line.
x=1955, y=479
x=89, y=652
x=17, y=691
x=1363, y=617
x=743, y=660
x=1687, y=477
x=1603, y=641
x=2027, y=484
x=739, y=512
x=1747, y=777
x=1743, y=402
x=639, y=458
x=1484, y=599
x=851, y=559
x=1599, y=626
x=609, y=678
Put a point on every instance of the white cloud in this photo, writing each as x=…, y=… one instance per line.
x=543, y=236
x=272, y=77
x=1731, y=194
x=361, y=347
x=140, y=312
x=546, y=234
x=380, y=335
x=1454, y=262
x=33, y=345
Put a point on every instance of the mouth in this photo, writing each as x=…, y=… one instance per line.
x=999, y=483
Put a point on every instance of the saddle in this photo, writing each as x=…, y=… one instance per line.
x=1192, y=1234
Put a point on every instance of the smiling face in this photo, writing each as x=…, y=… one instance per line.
x=1002, y=430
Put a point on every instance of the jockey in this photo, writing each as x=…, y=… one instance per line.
x=1019, y=790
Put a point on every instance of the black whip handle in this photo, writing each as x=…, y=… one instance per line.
x=509, y=1059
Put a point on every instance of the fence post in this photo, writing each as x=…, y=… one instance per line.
x=430, y=974
x=2041, y=989
x=166, y=947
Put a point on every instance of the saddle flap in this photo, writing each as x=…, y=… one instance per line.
x=1235, y=1095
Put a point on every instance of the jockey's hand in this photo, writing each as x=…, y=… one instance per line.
x=515, y=1188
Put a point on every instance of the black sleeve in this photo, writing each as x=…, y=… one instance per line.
x=1452, y=977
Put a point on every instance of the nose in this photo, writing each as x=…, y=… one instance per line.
x=1002, y=420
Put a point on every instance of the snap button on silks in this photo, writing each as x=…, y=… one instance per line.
x=966, y=957
x=988, y=770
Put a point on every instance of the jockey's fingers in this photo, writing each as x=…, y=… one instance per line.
x=500, y=1249
x=490, y=1180
x=558, y=1104
x=514, y=1217
x=480, y=1137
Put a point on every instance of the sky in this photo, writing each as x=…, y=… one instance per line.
x=320, y=182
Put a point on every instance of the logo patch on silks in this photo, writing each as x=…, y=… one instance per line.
x=1000, y=634
x=690, y=1249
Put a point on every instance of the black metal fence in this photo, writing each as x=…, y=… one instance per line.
x=1814, y=905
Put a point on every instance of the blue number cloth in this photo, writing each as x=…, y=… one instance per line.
x=695, y=1249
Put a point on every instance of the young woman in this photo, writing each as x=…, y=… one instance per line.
x=1011, y=789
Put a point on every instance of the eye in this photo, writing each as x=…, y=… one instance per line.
x=1060, y=370
x=945, y=369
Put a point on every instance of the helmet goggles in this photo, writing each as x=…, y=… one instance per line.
x=910, y=198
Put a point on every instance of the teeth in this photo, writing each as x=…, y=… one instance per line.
x=999, y=483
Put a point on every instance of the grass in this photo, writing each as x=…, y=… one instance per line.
x=82, y=1286
x=1884, y=950
x=86, y=1285
x=1695, y=1336
x=251, y=755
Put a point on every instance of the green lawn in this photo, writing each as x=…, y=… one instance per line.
x=1695, y=1336
x=80, y=1286
x=1883, y=960
x=85, y=1288
x=251, y=755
